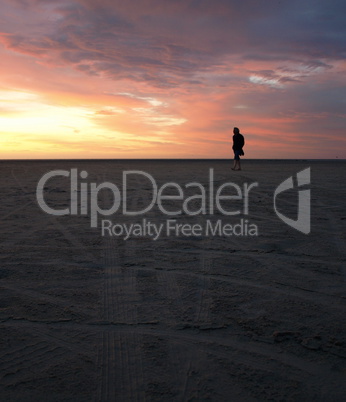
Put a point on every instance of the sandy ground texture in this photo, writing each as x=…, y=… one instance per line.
x=86, y=317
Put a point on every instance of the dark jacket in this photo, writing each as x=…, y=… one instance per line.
x=238, y=142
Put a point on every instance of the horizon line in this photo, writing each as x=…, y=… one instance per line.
x=168, y=159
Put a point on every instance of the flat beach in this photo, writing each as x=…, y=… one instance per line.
x=87, y=315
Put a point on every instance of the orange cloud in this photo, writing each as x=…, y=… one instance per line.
x=170, y=79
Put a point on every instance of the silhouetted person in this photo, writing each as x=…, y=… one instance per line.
x=238, y=143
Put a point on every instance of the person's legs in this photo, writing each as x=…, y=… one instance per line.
x=235, y=160
x=236, y=164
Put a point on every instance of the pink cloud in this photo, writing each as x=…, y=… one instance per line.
x=209, y=66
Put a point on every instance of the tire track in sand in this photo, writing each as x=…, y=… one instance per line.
x=120, y=354
x=19, y=364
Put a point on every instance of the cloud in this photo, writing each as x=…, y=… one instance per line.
x=165, y=43
x=184, y=70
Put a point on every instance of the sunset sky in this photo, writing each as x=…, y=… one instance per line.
x=171, y=78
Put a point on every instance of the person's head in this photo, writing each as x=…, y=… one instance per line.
x=236, y=130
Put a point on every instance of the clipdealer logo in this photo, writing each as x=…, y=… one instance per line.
x=85, y=200
x=211, y=200
x=302, y=223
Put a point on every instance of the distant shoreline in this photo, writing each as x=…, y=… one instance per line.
x=170, y=160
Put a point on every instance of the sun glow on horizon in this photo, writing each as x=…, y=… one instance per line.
x=32, y=127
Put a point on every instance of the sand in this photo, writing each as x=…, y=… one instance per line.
x=86, y=317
